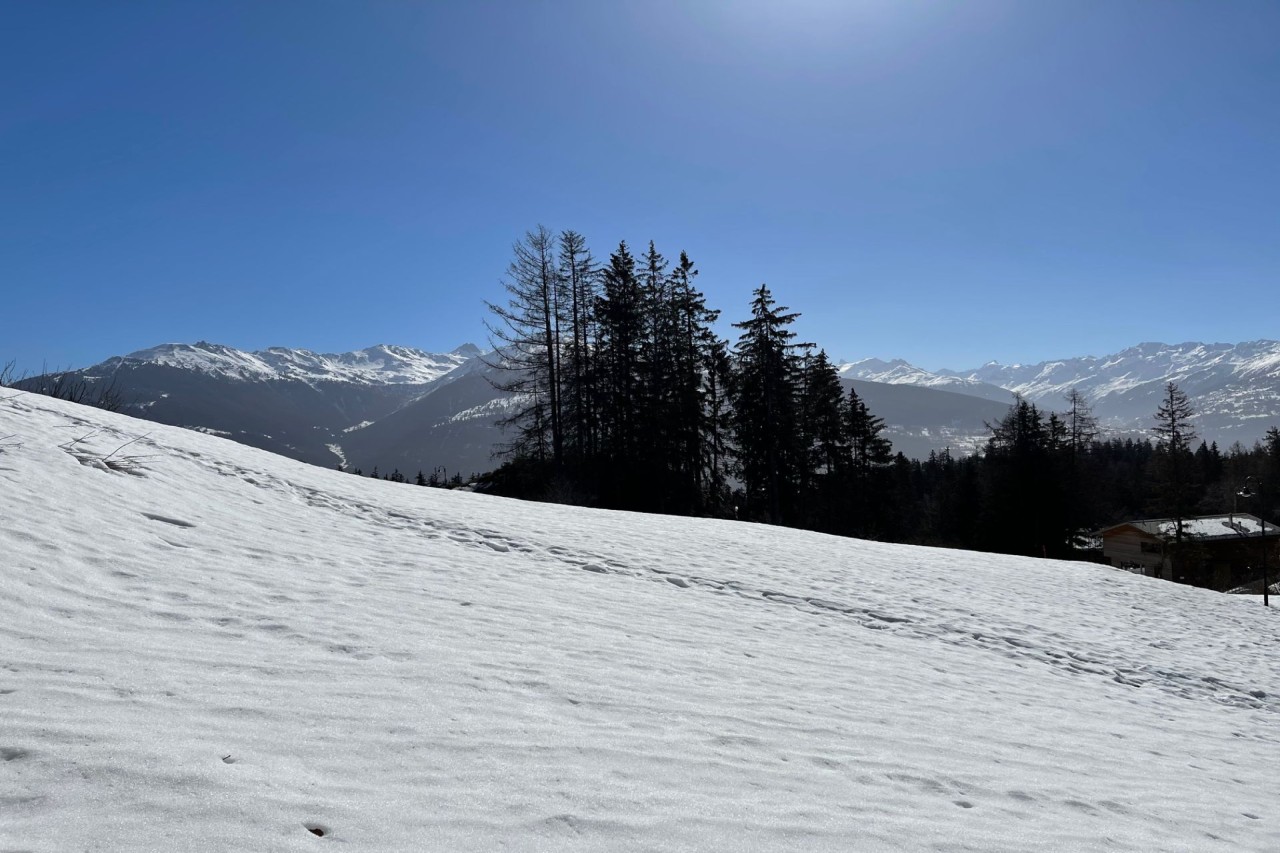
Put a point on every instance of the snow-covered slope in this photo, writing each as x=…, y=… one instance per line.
x=378, y=365
x=208, y=647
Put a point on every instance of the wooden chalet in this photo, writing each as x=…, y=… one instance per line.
x=1218, y=551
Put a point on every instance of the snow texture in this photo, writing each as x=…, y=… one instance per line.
x=207, y=647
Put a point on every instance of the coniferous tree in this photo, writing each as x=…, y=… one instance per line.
x=869, y=455
x=618, y=365
x=656, y=411
x=822, y=416
x=1270, y=473
x=717, y=393
x=1174, y=483
x=823, y=445
x=1081, y=424
x=766, y=410
x=1080, y=431
x=1022, y=496
x=696, y=432
x=579, y=275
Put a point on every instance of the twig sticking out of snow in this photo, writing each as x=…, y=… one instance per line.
x=123, y=446
x=134, y=464
x=69, y=445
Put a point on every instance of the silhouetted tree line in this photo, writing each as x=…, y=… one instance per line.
x=1044, y=480
x=625, y=397
x=439, y=478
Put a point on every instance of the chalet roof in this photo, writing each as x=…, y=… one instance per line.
x=1223, y=526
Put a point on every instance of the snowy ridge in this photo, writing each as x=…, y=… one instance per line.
x=378, y=365
x=208, y=647
x=899, y=372
x=1140, y=365
x=1235, y=388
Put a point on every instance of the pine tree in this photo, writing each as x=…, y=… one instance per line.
x=696, y=431
x=823, y=416
x=1023, y=505
x=618, y=365
x=766, y=411
x=869, y=449
x=717, y=394
x=822, y=444
x=656, y=412
x=869, y=454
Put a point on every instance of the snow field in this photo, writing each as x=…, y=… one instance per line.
x=214, y=648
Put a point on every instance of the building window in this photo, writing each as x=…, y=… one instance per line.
x=1151, y=547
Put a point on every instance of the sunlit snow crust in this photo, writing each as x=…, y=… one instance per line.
x=207, y=647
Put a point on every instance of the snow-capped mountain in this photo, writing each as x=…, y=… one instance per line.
x=378, y=365
x=1202, y=366
x=899, y=372
x=1235, y=388
x=318, y=407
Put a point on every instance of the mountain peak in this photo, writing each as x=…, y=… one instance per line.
x=383, y=364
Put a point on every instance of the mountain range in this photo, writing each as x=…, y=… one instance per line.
x=1235, y=388
x=399, y=408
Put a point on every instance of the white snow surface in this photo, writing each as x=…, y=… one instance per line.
x=208, y=647
x=377, y=365
x=1213, y=526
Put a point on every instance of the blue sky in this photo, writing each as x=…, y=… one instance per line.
x=949, y=183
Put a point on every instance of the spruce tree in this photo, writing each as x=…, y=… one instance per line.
x=868, y=454
x=1023, y=494
x=823, y=442
x=697, y=426
x=766, y=410
x=618, y=372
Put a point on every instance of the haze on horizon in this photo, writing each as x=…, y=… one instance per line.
x=949, y=185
